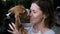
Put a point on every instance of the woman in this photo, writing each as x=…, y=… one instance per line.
x=41, y=17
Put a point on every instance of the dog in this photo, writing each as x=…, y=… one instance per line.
x=19, y=11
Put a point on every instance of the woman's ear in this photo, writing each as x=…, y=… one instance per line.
x=46, y=15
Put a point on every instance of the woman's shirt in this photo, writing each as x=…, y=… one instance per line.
x=30, y=31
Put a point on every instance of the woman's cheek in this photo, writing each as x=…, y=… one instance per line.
x=35, y=15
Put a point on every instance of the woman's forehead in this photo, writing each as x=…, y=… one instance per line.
x=34, y=6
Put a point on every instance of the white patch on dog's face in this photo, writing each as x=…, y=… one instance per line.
x=28, y=12
x=8, y=14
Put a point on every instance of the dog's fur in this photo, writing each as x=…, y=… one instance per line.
x=19, y=11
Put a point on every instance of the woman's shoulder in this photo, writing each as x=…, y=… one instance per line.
x=28, y=28
x=50, y=32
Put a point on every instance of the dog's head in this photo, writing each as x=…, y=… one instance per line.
x=18, y=10
x=21, y=10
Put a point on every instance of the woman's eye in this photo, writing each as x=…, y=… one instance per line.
x=34, y=12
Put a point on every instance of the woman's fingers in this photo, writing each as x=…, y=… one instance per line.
x=10, y=31
x=11, y=27
x=14, y=30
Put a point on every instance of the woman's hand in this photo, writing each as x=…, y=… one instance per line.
x=13, y=27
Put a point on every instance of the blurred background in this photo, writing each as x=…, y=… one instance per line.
x=5, y=5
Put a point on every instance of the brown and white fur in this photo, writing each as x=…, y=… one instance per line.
x=19, y=11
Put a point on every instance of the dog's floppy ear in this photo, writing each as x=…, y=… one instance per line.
x=18, y=9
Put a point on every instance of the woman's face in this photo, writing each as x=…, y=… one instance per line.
x=36, y=15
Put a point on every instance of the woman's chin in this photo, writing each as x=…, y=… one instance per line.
x=33, y=22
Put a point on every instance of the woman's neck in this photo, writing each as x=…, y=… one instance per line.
x=40, y=27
